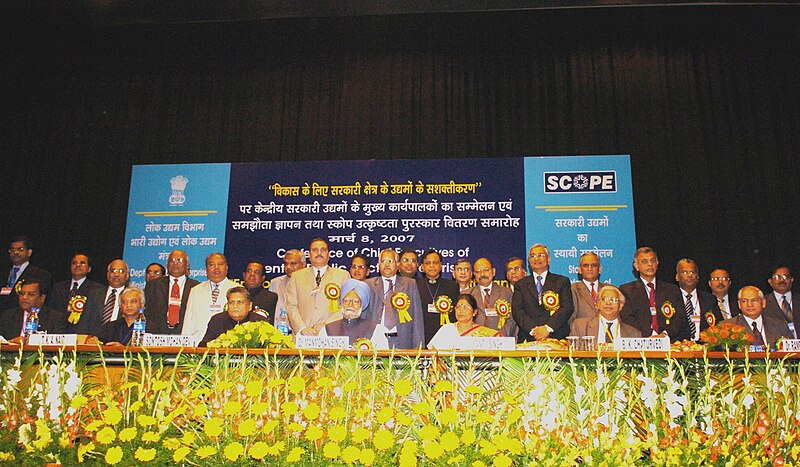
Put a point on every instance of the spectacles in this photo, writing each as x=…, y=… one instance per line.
x=688, y=273
x=177, y=260
x=537, y=255
x=117, y=271
x=462, y=269
x=723, y=279
x=750, y=301
x=408, y=260
x=479, y=271
x=358, y=266
x=351, y=301
x=777, y=277
x=387, y=261
x=610, y=300
x=12, y=249
x=514, y=268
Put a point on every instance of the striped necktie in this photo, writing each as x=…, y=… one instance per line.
x=689, y=313
x=787, y=310
x=609, y=332
x=215, y=294
x=108, y=309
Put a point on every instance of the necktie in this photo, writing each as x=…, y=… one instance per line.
x=721, y=303
x=12, y=277
x=594, y=294
x=689, y=314
x=653, y=315
x=787, y=310
x=319, y=278
x=108, y=308
x=539, y=287
x=609, y=333
x=74, y=290
x=485, y=298
x=174, y=310
x=215, y=294
x=759, y=338
x=390, y=317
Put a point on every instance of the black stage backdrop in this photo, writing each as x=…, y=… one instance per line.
x=704, y=99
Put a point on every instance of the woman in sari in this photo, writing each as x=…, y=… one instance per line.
x=449, y=335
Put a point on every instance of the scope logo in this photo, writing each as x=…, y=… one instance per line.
x=580, y=182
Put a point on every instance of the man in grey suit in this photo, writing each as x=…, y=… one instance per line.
x=487, y=293
x=605, y=326
x=765, y=330
x=408, y=335
x=780, y=303
x=719, y=282
x=306, y=303
x=586, y=290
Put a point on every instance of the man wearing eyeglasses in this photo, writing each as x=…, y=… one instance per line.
x=765, y=330
x=166, y=297
x=720, y=284
x=487, y=293
x=586, y=291
x=701, y=307
x=409, y=264
x=79, y=285
x=542, y=302
x=32, y=294
x=102, y=303
x=20, y=249
x=605, y=326
x=359, y=267
x=780, y=303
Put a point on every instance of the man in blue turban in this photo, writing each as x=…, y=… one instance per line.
x=355, y=299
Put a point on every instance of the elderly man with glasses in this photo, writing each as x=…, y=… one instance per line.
x=780, y=303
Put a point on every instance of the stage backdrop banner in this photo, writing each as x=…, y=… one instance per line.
x=178, y=206
x=464, y=208
x=578, y=204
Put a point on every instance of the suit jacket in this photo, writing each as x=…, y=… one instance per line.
x=410, y=335
x=636, y=311
x=591, y=325
x=11, y=300
x=222, y=323
x=264, y=300
x=279, y=286
x=156, y=294
x=59, y=297
x=528, y=313
x=306, y=304
x=582, y=300
x=198, y=309
x=774, y=328
x=49, y=320
x=427, y=293
x=733, y=305
x=498, y=292
x=774, y=311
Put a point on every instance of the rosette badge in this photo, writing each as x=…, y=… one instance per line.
x=711, y=319
x=668, y=310
x=503, y=309
x=401, y=303
x=75, y=308
x=443, y=305
x=551, y=301
x=363, y=344
x=333, y=292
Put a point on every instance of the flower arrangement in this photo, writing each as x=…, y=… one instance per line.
x=726, y=336
x=252, y=335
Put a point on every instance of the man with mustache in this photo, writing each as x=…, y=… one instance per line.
x=780, y=303
x=487, y=293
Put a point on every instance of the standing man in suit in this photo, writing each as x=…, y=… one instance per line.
x=765, y=330
x=409, y=263
x=605, y=325
x=586, y=290
x=79, y=285
x=720, y=284
x=262, y=299
x=207, y=298
x=408, y=335
x=20, y=250
x=32, y=294
x=306, y=303
x=542, y=302
x=701, y=307
x=166, y=297
x=293, y=260
x=102, y=303
x=462, y=273
x=430, y=286
x=653, y=307
x=515, y=270
x=359, y=267
x=487, y=293
x=780, y=303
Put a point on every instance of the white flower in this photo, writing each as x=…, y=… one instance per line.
x=748, y=400
x=579, y=393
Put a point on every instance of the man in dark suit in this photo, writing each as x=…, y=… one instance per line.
x=78, y=286
x=408, y=335
x=720, y=284
x=430, y=286
x=586, y=290
x=263, y=300
x=766, y=331
x=700, y=307
x=542, y=302
x=20, y=249
x=166, y=297
x=32, y=294
x=487, y=293
x=780, y=303
x=653, y=307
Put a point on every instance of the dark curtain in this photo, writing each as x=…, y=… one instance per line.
x=703, y=99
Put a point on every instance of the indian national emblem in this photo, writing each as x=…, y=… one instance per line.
x=178, y=185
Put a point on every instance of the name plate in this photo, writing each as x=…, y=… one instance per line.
x=53, y=339
x=320, y=342
x=487, y=343
x=790, y=345
x=168, y=340
x=642, y=343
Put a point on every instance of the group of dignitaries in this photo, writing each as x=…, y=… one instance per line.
x=543, y=304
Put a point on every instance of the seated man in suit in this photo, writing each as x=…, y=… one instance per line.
x=765, y=330
x=701, y=307
x=515, y=270
x=78, y=286
x=719, y=282
x=20, y=250
x=781, y=301
x=354, y=325
x=263, y=300
x=487, y=293
x=586, y=290
x=238, y=310
x=166, y=297
x=606, y=325
x=293, y=260
x=31, y=294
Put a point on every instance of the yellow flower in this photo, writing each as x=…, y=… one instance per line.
x=448, y=416
x=449, y=441
x=478, y=464
x=337, y=413
x=127, y=434
x=145, y=455
x=247, y=427
x=311, y=411
x=112, y=416
x=384, y=439
x=78, y=402
x=488, y=449
x=314, y=432
x=233, y=451
x=96, y=391
x=295, y=454
x=515, y=415
x=502, y=461
x=337, y=433
x=483, y=417
x=468, y=437
x=472, y=389
x=433, y=450
x=296, y=383
x=350, y=454
x=443, y=386
x=295, y=427
x=331, y=450
x=106, y=436
x=360, y=434
x=113, y=455
x=204, y=452
x=274, y=383
x=180, y=454
x=254, y=388
x=223, y=386
x=83, y=449
x=269, y=426
x=455, y=459
x=200, y=409
x=129, y=385
x=422, y=408
x=403, y=419
x=150, y=437
x=135, y=407
x=408, y=459
x=276, y=448
x=429, y=433
x=171, y=443
x=324, y=382
x=403, y=387
x=94, y=425
x=146, y=420
x=188, y=438
x=367, y=457
x=213, y=427
x=258, y=450
x=384, y=415
x=259, y=408
x=232, y=408
x=289, y=408
x=409, y=446
x=159, y=385
x=350, y=386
